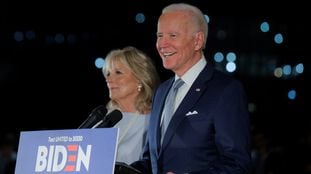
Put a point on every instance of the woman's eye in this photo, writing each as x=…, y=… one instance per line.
x=119, y=72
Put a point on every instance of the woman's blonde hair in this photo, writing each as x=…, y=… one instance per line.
x=143, y=69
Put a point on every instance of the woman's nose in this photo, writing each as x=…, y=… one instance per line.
x=109, y=80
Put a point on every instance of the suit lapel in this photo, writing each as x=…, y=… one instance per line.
x=189, y=101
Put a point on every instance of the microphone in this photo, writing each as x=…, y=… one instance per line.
x=96, y=115
x=110, y=120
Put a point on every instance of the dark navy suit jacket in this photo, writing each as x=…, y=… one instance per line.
x=209, y=132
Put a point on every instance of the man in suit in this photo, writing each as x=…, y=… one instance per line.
x=209, y=129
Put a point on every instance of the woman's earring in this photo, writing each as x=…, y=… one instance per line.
x=139, y=87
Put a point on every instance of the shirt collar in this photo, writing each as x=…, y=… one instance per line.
x=190, y=76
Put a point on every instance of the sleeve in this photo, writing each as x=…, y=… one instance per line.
x=144, y=164
x=232, y=132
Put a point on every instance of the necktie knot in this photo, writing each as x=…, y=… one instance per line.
x=177, y=84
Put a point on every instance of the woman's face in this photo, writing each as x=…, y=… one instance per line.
x=122, y=83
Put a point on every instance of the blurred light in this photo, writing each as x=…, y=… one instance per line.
x=271, y=64
x=221, y=34
x=278, y=38
x=278, y=72
x=251, y=107
x=206, y=18
x=86, y=36
x=59, y=38
x=299, y=68
x=231, y=57
x=291, y=94
x=287, y=69
x=71, y=39
x=230, y=67
x=264, y=27
x=140, y=18
x=30, y=35
x=218, y=57
x=219, y=67
x=99, y=62
x=49, y=39
x=19, y=36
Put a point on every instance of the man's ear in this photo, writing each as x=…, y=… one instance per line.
x=199, y=40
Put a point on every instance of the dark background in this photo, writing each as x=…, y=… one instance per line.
x=50, y=85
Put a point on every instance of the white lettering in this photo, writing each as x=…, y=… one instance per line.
x=84, y=158
x=41, y=158
x=59, y=151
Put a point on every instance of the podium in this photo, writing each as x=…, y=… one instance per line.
x=123, y=168
x=76, y=151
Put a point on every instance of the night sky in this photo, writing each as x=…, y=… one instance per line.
x=49, y=85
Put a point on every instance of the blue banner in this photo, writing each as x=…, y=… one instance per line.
x=67, y=151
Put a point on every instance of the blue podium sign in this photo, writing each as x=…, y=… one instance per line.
x=67, y=151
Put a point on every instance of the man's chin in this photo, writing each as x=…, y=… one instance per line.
x=168, y=67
